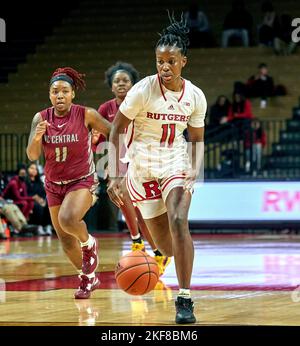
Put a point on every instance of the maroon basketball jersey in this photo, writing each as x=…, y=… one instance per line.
x=67, y=145
x=108, y=110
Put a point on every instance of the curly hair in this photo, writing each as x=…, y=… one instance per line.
x=121, y=66
x=176, y=34
x=76, y=77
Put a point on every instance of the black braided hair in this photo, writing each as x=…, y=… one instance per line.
x=176, y=34
x=121, y=66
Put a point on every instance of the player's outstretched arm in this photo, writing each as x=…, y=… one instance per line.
x=38, y=128
x=96, y=121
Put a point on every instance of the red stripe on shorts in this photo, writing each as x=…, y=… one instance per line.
x=170, y=181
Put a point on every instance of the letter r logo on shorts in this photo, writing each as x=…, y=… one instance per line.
x=152, y=189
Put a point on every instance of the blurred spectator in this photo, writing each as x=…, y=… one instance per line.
x=255, y=141
x=240, y=113
x=16, y=218
x=270, y=25
x=238, y=23
x=200, y=34
x=240, y=108
x=16, y=191
x=13, y=214
x=283, y=44
x=219, y=111
x=262, y=85
x=35, y=188
x=3, y=182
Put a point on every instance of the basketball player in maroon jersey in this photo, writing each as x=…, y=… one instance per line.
x=120, y=77
x=63, y=132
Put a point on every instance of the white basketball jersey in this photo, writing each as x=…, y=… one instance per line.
x=159, y=117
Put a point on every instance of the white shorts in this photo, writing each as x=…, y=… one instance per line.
x=150, y=194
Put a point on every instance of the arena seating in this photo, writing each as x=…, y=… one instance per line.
x=94, y=35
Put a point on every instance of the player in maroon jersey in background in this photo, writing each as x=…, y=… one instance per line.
x=63, y=132
x=120, y=77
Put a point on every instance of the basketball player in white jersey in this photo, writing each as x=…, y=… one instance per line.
x=161, y=174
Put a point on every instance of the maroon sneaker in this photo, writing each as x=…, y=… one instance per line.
x=90, y=258
x=86, y=287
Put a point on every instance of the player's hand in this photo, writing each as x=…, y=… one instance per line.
x=41, y=129
x=95, y=136
x=190, y=179
x=114, y=191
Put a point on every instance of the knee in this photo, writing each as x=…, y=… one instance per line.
x=179, y=226
x=66, y=220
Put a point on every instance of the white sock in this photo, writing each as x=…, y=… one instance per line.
x=184, y=293
x=135, y=237
x=89, y=243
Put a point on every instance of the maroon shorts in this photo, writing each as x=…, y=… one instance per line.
x=56, y=193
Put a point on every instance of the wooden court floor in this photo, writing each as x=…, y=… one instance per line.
x=237, y=280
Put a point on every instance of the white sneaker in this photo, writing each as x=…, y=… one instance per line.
x=40, y=231
x=263, y=103
x=48, y=230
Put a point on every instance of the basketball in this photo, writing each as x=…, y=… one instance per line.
x=136, y=273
